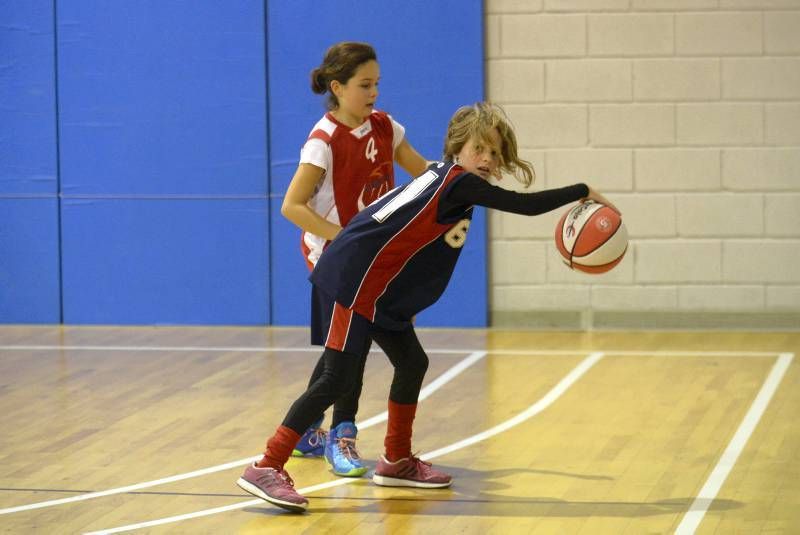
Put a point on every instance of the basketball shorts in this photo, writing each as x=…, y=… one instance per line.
x=335, y=326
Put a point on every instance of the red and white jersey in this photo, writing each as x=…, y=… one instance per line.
x=359, y=168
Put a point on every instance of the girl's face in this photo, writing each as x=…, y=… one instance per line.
x=481, y=159
x=357, y=97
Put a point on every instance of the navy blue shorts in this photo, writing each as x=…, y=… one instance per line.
x=337, y=327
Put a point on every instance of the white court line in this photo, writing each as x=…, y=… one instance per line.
x=528, y=413
x=458, y=351
x=708, y=493
x=429, y=389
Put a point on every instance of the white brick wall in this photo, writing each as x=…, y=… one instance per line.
x=720, y=124
x=588, y=80
x=780, y=32
x=632, y=125
x=550, y=125
x=782, y=215
x=676, y=79
x=781, y=124
x=686, y=113
x=518, y=80
x=718, y=34
x=635, y=298
x=753, y=169
x=721, y=298
x=631, y=35
x=765, y=261
x=650, y=215
x=679, y=261
x=608, y=169
x=720, y=214
x=761, y=78
x=550, y=297
x=547, y=35
x=666, y=169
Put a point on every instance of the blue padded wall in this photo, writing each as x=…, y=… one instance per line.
x=165, y=261
x=27, y=94
x=29, y=266
x=145, y=149
x=431, y=58
x=163, y=162
x=162, y=98
x=29, y=282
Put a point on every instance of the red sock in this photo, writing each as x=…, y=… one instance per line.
x=279, y=448
x=398, y=430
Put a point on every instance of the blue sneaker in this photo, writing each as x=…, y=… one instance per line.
x=341, y=453
x=312, y=443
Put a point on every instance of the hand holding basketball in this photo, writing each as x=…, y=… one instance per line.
x=597, y=197
x=591, y=236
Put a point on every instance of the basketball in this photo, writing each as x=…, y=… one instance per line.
x=591, y=237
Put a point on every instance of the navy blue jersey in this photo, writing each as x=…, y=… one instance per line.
x=396, y=256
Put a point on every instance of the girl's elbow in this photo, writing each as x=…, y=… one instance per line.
x=286, y=210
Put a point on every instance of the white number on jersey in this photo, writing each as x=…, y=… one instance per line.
x=456, y=236
x=410, y=193
x=371, y=151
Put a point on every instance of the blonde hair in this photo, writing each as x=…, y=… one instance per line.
x=476, y=122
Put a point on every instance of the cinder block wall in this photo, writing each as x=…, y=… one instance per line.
x=686, y=113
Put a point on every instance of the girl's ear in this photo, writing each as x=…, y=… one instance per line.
x=336, y=88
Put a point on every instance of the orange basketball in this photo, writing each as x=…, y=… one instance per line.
x=591, y=237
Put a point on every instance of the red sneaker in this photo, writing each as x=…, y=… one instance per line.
x=273, y=486
x=409, y=472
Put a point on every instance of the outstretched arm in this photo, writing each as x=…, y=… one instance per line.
x=472, y=189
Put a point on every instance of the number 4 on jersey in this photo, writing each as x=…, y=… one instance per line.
x=371, y=151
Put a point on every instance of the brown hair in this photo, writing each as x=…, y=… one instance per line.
x=476, y=122
x=340, y=64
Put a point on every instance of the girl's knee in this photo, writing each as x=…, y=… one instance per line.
x=340, y=382
x=416, y=363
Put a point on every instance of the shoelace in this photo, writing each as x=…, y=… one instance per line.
x=283, y=474
x=286, y=477
x=416, y=467
x=318, y=437
x=416, y=460
x=348, y=447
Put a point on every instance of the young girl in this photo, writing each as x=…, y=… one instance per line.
x=346, y=163
x=394, y=259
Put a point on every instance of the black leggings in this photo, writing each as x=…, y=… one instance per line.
x=340, y=377
x=346, y=407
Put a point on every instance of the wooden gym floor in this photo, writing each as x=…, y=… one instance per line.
x=117, y=429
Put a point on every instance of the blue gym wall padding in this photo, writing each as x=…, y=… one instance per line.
x=165, y=261
x=29, y=266
x=29, y=277
x=162, y=97
x=164, y=162
x=147, y=147
x=27, y=96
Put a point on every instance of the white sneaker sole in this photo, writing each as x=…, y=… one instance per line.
x=255, y=491
x=385, y=481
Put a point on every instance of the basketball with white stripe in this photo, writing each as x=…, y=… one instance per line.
x=591, y=237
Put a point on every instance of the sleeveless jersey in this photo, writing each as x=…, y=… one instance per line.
x=359, y=168
x=396, y=257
